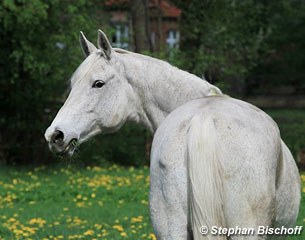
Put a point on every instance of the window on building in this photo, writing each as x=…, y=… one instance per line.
x=172, y=39
x=120, y=36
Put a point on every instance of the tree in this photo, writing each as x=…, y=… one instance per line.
x=222, y=39
x=37, y=56
x=140, y=25
x=283, y=62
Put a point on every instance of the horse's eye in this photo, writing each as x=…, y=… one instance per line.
x=98, y=84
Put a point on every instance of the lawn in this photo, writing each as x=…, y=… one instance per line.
x=67, y=203
x=72, y=203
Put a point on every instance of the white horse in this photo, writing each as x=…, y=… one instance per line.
x=215, y=161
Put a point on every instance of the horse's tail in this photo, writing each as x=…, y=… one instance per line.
x=205, y=177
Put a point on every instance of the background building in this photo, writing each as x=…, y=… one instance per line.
x=161, y=20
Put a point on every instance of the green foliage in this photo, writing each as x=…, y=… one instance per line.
x=229, y=41
x=38, y=53
x=224, y=38
x=283, y=62
x=130, y=146
x=292, y=127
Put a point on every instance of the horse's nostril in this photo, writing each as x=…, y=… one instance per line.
x=57, y=137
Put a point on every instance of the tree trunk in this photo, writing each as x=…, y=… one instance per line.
x=140, y=25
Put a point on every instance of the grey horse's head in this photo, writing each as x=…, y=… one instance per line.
x=100, y=101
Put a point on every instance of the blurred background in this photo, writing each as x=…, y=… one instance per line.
x=252, y=50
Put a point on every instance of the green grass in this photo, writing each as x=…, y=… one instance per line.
x=66, y=203
x=301, y=217
x=72, y=203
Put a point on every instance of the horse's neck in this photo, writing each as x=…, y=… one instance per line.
x=161, y=88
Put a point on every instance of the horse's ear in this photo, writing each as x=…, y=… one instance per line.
x=104, y=44
x=87, y=46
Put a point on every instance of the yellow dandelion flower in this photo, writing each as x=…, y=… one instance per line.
x=152, y=236
x=139, y=177
x=80, y=204
x=137, y=219
x=18, y=231
x=98, y=226
x=12, y=220
x=118, y=227
x=39, y=221
x=89, y=233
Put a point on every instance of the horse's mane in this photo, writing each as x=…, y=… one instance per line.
x=141, y=56
x=120, y=50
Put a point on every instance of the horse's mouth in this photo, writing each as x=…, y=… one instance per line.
x=69, y=149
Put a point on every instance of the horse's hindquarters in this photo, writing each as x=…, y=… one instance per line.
x=250, y=162
x=288, y=193
x=249, y=145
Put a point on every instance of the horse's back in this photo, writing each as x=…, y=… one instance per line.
x=242, y=128
x=244, y=132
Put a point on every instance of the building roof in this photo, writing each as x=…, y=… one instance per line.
x=115, y=2
x=167, y=8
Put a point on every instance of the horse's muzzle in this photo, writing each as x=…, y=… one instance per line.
x=60, y=143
